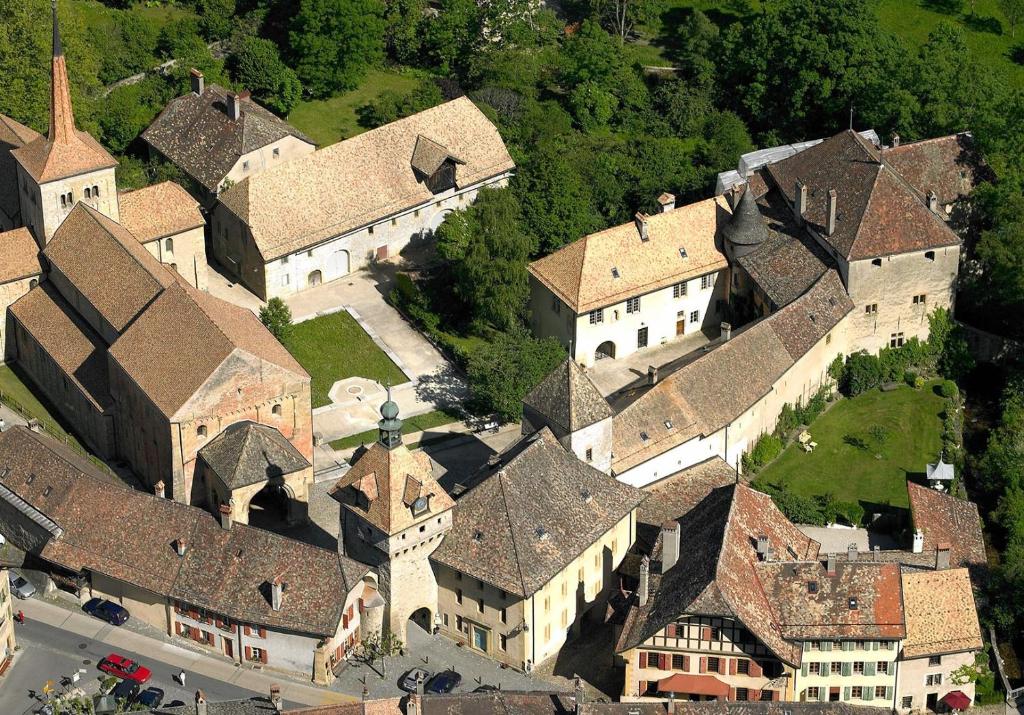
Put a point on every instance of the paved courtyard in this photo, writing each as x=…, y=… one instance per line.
x=612, y=374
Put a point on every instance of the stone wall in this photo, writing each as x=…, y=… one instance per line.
x=184, y=252
x=41, y=207
x=9, y=293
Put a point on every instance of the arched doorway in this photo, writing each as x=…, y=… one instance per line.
x=341, y=263
x=605, y=350
x=315, y=278
x=271, y=507
x=422, y=618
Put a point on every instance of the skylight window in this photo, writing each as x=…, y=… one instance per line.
x=812, y=587
x=542, y=533
x=478, y=536
x=853, y=603
x=682, y=252
x=644, y=436
x=615, y=272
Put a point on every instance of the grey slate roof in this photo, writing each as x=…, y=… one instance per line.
x=535, y=511
x=196, y=133
x=247, y=453
x=568, y=398
x=746, y=227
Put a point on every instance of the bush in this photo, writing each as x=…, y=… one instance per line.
x=408, y=298
x=910, y=377
x=766, y=449
x=850, y=512
x=787, y=421
x=863, y=373
x=949, y=390
x=815, y=406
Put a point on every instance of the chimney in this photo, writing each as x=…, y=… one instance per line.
x=275, y=698
x=830, y=223
x=933, y=202
x=159, y=489
x=180, y=546
x=277, y=587
x=667, y=201
x=234, y=106
x=200, y=703
x=198, y=83
x=918, y=542
x=642, y=591
x=669, y=545
x=800, y=202
x=641, y=225
x=244, y=94
x=579, y=695
x=225, y=515
x=942, y=556
x=769, y=554
x=830, y=565
x=895, y=140
x=762, y=547
x=419, y=685
x=670, y=706
x=851, y=553
x=726, y=329
x=652, y=374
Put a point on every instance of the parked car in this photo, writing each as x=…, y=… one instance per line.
x=444, y=682
x=125, y=692
x=105, y=610
x=151, y=698
x=125, y=668
x=20, y=587
x=408, y=681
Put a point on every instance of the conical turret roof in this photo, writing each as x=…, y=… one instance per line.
x=746, y=227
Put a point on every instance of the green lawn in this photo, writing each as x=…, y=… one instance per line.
x=875, y=472
x=19, y=397
x=421, y=423
x=986, y=32
x=333, y=347
x=327, y=121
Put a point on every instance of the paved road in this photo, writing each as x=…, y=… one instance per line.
x=49, y=653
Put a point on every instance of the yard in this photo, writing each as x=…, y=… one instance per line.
x=334, y=347
x=19, y=397
x=986, y=32
x=420, y=423
x=867, y=447
x=327, y=121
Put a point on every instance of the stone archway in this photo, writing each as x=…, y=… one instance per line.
x=423, y=618
x=605, y=350
x=315, y=278
x=272, y=506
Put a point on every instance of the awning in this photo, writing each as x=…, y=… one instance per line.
x=956, y=700
x=694, y=685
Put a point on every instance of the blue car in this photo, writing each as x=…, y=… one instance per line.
x=125, y=692
x=151, y=698
x=444, y=682
x=108, y=611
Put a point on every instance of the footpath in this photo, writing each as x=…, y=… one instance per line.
x=173, y=655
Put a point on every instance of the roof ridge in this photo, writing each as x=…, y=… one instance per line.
x=511, y=529
x=867, y=207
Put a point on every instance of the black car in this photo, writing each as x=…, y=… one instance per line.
x=151, y=698
x=444, y=682
x=126, y=691
x=108, y=611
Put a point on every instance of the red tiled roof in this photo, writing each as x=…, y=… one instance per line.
x=694, y=685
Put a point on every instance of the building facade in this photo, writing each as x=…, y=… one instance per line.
x=8, y=641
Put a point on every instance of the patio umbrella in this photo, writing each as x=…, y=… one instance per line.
x=956, y=700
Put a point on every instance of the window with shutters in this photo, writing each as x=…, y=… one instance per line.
x=713, y=663
x=716, y=634
x=743, y=667
x=677, y=662
x=933, y=679
x=880, y=692
x=767, y=695
x=815, y=645
x=858, y=667
x=813, y=694
x=882, y=667
x=836, y=668
x=814, y=668
x=857, y=692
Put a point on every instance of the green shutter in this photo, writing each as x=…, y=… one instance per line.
x=869, y=668
x=869, y=692
x=847, y=645
x=807, y=646
x=874, y=645
x=847, y=668
x=826, y=645
x=803, y=670
x=888, y=692
x=823, y=695
x=846, y=693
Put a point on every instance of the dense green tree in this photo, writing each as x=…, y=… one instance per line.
x=128, y=110
x=488, y=252
x=216, y=18
x=256, y=64
x=452, y=36
x=391, y=105
x=506, y=368
x=403, y=23
x=1013, y=11
x=276, y=316
x=334, y=41
x=622, y=16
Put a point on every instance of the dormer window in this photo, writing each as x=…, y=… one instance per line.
x=420, y=505
x=853, y=603
x=877, y=263
x=812, y=587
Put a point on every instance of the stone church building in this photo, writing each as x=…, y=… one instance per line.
x=106, y=317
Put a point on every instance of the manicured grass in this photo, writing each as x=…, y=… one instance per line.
x=421, y=423
x=875, y=472
x=19, y=397
x=327, y=121
x=334, y=347
x=986, y=31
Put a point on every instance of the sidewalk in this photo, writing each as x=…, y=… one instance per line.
x=173, y=655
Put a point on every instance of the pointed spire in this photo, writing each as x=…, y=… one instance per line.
x=62, y=117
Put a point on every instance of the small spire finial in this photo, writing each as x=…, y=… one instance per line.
x=58, y=50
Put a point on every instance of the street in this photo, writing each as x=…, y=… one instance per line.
x=49, y=653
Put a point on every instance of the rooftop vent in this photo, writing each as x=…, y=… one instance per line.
x=587, y=496
x=682, y=252
x=478, y=536
x=644, y=436
x=812, y=587
x=46, y=492
x=668, y=424
x=542, y=533
x=30, y=478
x=615, y=272
x=853, y=603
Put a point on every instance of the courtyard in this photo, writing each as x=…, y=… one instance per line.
x=868, y=446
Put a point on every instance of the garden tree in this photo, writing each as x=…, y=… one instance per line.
x=277, y=317
x=256, y=65
x=726, y=139
x=390, y=105
x=506, y=368
x=589, y=55
x=216, y=18
x=947, y=345
x=179, y=37
x=381, y=646
x=488, y=251
x=131, y=49
x=795, y=69
x=452, y=37
x=129, y=109
x=621, y=16
x=1000, y=254
x=952, y=91
x=698, y=40
x=402, y=34
x=555, y=200
x=1013, y=10
x=686, y=106
x=333, y=42
x=26, y=42
x=1001, y=466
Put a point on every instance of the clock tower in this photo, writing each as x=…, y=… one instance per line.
x=394, y=515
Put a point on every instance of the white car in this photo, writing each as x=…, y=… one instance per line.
x=20, y=586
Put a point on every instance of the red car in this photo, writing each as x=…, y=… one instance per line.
x=121, y=667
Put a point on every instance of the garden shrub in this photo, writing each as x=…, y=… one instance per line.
x=863, y=373
x=407, y=297
x=766, y=449
x=787, y=421
x=949, y=390
x=910, y=377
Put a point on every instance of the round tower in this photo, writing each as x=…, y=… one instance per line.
x=746, y=230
